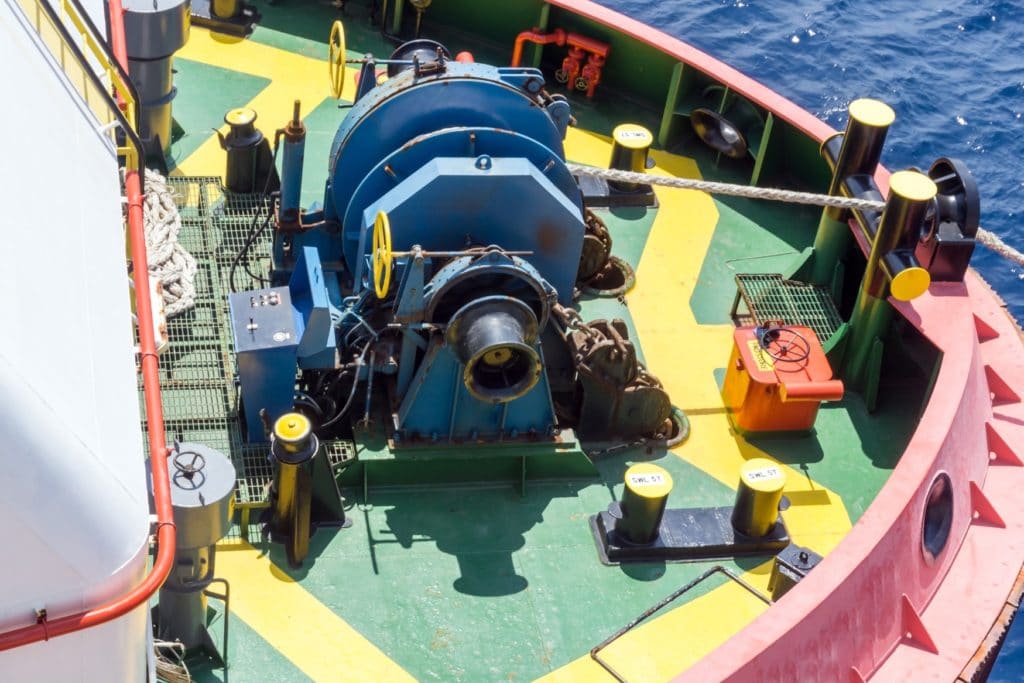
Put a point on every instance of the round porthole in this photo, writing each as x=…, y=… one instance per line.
x=938, y=517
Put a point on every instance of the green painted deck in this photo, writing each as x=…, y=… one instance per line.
x=487, y=581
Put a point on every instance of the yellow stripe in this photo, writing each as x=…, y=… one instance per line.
x=684, y=356
x=293, y=77
x=298, y=625
x=659, y=649
x=677, y=350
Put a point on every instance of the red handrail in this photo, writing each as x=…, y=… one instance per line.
x=158, y=451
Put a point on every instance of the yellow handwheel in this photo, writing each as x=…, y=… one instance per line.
x=336, y=59
x=382, y=255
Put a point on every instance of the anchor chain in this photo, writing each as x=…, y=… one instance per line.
x=600, y=272
x=985, y=237
x=621, y=400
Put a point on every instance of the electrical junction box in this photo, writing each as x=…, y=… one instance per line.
x=267, y=330
x=776, y=379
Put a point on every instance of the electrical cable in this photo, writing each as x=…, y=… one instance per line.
x=352, y=392
x=253, y=232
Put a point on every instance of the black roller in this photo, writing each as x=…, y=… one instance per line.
x=719, y=133
x=946, y=239
x=494, y=337
x=957, y=202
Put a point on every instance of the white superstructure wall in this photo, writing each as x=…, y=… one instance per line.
x=74, y=514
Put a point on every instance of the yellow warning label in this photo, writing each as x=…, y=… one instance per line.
x=762, y=360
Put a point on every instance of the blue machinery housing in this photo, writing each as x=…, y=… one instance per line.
x=451, y=231
x=466, y=161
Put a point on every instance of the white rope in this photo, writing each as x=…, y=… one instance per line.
x=985, y=237
x=168, y=260
x=1000, y=247
x=170, y=662
x=748, y=191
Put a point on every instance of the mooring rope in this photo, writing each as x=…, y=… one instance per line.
x=168, y=260
x=985, y=237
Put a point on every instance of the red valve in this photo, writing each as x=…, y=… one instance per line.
x=573, y=72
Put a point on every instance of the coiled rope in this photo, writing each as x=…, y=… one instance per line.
x=985, y=237
x=168, y=260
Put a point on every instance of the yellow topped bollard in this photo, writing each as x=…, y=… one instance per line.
x=294, y=447
x=910, y=195
x=758, y=497
x=643, y=503
x=853, y=152
x=630, y=145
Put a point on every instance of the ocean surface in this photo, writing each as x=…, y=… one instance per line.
x=953, y=72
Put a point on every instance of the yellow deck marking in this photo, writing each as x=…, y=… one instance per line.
x=292, y=77
x=298, y=625
x=660, y=648
x=684, y=355
x=680, y=352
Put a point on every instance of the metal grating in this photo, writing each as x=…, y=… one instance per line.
x=197, y=369
x=770, y=297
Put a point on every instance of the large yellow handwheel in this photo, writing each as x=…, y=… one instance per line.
x=336, y=59
x=382, y=255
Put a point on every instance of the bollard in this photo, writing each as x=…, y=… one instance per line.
x=293, y=447
x=856, y=151
x=890, y=270
x=757, y=497
x=630, y=146
x=643, y=503
x=242, y=145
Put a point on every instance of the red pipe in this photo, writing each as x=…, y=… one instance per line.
x=589, y=44
x=158, y=451
x=535, y=36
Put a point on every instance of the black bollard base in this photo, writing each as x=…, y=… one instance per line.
x=685, y=535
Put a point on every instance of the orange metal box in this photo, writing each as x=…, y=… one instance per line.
x=776, y=379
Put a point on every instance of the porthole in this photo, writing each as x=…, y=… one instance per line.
x=938, y=517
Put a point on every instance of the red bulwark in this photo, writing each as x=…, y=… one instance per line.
x=777, y=386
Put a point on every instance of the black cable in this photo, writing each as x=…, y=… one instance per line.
x=245, y=259
x=352, y=392
x=253, y=232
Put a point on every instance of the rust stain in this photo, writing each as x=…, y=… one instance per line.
x=550, y=236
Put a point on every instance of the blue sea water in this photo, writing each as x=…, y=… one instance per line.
x=952, y=71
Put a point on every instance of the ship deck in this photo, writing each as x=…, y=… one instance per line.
x=500, y=580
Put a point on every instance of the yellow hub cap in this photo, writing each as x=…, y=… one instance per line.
x=292, y=427
x=498, y=356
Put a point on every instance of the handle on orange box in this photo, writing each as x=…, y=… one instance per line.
x=829, y=390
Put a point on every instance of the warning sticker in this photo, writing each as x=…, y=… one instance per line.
x=648, y=479
x=633, y=134
x=762, y=360
x=763, y=474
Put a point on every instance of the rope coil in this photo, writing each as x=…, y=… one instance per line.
x=168, y=260
x=984, y=237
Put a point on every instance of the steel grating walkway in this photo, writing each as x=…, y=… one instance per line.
x=197, y=369
x=770, y=297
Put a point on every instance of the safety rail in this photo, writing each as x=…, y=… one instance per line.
x=112, y=102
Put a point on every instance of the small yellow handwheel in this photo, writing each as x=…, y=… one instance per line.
x=382, y=255
x=336, y=59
